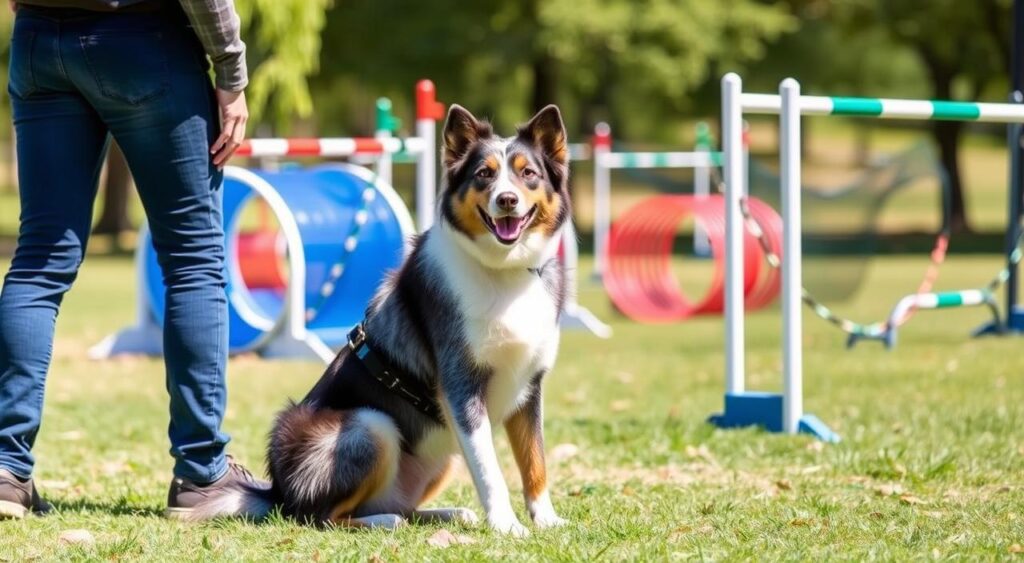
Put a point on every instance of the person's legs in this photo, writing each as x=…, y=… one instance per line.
x=60, y=145
x=148, y=82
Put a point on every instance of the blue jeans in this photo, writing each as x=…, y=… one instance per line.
x=76, y=79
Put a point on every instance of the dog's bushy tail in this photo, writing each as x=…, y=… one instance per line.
x=239, y=501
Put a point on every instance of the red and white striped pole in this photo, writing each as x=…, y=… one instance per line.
x=330, y=147
x=428, y=112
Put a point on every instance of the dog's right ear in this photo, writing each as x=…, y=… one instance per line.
x=461, y=131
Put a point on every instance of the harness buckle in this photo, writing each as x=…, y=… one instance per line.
x=356, y=336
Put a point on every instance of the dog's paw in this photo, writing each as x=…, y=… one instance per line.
x=508, y=526
x=549, y=520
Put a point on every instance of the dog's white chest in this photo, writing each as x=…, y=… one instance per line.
x=514, y=334
x=509, y=324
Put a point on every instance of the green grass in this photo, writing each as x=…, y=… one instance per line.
x=930, y=465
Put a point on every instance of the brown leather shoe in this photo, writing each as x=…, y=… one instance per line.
x=18, y=498
x=185, y=494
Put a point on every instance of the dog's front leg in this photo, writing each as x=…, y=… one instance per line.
x=473, y=428
x=525, y=429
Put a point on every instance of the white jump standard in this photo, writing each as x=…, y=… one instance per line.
x=784, y=412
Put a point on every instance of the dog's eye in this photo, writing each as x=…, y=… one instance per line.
x=485, y=173
x=529, y=173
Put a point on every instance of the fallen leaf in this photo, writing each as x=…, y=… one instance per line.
x=1004, y=489
x=889, y=490
x=933, y=513
x=624, y=377
x=811, y=469
x=800, y=522
x=53, y=485
x=1016, y=548
x=621, y=405
x=628, y=491
x=444, y=538
x=376, y=558
x=876, y=515
x=911, y=499
x=114, y=467
x=700, y=452
x=285, y=541
x=562, y=452
x=816, y=446
x=784, y=484
x=82, y=538
x=71, y=435
x=680, y=530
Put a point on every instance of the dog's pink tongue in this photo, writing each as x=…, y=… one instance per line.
x=508, y=227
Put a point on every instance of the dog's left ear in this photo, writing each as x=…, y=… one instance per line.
x=546, y=131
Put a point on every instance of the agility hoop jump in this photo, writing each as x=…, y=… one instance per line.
x=784, y=412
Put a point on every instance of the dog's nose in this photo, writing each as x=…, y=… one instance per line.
x=508, y=201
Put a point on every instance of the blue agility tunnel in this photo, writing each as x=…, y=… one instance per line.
x=343, y=230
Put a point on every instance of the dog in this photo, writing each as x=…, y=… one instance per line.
x=456, y=341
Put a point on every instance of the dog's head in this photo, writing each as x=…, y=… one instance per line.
x=506, y=198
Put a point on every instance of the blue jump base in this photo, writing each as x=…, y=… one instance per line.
x=1014, y=324
x=765, y=410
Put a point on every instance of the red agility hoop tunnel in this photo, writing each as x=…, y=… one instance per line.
x=640, y=279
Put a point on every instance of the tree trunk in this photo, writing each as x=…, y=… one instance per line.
x=947, y=137
x=545, y=81
x=114, y=217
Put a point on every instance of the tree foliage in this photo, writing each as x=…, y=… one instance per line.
x=596, y=58
x=283, y=38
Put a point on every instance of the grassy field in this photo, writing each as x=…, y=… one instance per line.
x=930, y=466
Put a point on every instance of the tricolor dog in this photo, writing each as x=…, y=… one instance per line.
x=456, y=342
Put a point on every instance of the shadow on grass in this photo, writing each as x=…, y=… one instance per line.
x=120, y=507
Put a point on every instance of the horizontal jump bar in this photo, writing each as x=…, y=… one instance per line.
x=338, y=146
x=697, y=159
x=888, y=108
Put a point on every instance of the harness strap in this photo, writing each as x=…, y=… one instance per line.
x=408, y=388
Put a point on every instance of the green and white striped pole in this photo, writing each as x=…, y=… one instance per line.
x=888, y=108
x=940, y=300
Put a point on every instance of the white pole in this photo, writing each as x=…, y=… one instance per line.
x=701, y=190
x=425, y=173
x=746, y=158
x=789, y=161
x=384, y=160
x=732, y=141
x=428, y=111
x=602, y=196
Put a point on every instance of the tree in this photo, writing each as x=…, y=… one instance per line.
x=964, y=49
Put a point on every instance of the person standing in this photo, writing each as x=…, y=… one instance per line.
x=82, y=72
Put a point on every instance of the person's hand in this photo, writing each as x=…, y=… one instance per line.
x=13, y=4
x=233, y=116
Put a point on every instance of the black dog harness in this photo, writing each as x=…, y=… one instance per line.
x=410, y=389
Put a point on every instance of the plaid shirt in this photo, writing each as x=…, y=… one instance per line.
x=218, y=27
x=214, y=21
